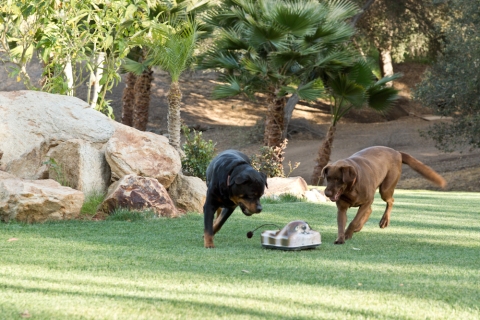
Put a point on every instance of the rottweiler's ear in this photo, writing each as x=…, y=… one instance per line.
x=325, y=171
x=264, y=177
x=349, y=175
x=242, y=178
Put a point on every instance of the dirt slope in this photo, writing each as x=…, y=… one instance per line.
x=233, y=123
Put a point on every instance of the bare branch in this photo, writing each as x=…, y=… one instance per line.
x=359, y=15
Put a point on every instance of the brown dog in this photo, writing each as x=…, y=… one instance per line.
x=352, y=182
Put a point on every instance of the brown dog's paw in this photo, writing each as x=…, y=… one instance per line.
x=339, y=241
x=210, y=246
x=384, y=223
x=348, y=236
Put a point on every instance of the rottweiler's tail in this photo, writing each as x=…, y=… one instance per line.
x=427, y=172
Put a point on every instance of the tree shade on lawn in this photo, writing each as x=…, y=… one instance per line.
x=424, y=265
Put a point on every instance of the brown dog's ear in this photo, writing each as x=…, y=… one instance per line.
x=325, y=171
x=349, y=175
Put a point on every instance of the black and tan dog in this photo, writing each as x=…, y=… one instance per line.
x=231, y=182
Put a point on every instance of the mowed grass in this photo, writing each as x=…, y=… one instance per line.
x=425, y=265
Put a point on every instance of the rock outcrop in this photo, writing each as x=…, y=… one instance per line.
x=188, y=193
x=83, y=166
x=292, y=185
x=38, y=201
x=145, y=154
x=139, y=193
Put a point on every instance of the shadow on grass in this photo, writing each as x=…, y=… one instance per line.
x=206, y=307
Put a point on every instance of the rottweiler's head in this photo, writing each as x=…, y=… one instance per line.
x=247, y=186
x=340, y=178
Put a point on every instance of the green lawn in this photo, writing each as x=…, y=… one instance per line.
x=426, y=264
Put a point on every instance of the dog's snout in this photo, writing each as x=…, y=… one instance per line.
x=328, y=193
x=259, y=208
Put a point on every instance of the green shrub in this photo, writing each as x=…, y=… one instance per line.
x=270, y=159
x=91, y=203
x=123, y=214
x=198, y=153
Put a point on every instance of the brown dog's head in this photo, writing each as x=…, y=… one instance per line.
x=340, y=177
x=247, y=186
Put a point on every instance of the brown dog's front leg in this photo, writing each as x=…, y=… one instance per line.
x=360, y=218
x=341, y=222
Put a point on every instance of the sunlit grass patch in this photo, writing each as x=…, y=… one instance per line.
x=424, y=265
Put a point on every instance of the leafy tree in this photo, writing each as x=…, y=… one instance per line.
x=398, y=28
x=276, y=48
x=20, y=23
x=352, y=87
x=169, y=46
x=451, y=87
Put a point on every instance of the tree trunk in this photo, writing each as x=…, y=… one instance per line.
x=129, y=99
x=142, y=100
x=98, y=75
x=323, y=157
x=69, y=77
x=290, y=106
x=385, y=59
x=174, y=99
x=274, y=121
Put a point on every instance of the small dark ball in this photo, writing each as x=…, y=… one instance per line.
x=249, y=234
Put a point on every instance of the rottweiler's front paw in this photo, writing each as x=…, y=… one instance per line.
x=339, y=241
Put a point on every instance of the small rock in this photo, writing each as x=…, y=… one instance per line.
x=139, y=193
x=292, y=185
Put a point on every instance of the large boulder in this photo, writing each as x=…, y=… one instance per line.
x=82, y=165
x=188, y=193
x=28, y=118
x=139, y=193
x=38, y=201
x=292, y=185
x=6, y=175
x=146, y=154
x=31, y=164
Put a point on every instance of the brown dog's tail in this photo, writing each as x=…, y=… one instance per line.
x=427, y=172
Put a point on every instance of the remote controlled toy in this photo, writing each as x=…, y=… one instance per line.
x=296, y=235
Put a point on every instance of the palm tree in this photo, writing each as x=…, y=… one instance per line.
x=136, y=95
x=279, y=47
x=353, y=87
x=169, y=46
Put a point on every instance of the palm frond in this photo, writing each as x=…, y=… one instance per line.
x=387, y=79
x=361, y=73
x=297, y=18
x=341, y=9
x=135, y=67
x=231, y=89
x=381, y=98
x=348, y=90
